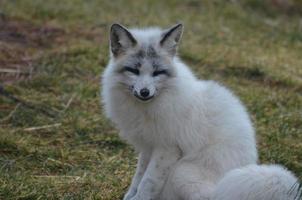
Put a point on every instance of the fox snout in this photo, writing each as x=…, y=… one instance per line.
x=143, y=94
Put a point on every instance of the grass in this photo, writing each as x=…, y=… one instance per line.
x=57, y=50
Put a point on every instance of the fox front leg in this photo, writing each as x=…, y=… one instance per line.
x=143, y=160
x=156, y=175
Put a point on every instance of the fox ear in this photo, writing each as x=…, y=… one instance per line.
x=120, y=39
x=171, y=38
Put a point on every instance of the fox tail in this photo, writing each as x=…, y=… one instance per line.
x=258, y=182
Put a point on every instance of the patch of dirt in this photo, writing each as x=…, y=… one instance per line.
x=21, y=43
x=27, y=34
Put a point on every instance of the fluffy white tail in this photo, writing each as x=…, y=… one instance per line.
x=264, y=182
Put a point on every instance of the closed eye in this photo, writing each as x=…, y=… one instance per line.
x=160, y=72
x=132, y=70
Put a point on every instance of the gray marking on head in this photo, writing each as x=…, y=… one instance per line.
x=140, y=54
x=133, y=62
x=147, y=55
x=151, y=53
x=155, y=64
x=146, y=52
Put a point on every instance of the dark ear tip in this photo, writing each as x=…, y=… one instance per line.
x=179, y=25
x=115, y=26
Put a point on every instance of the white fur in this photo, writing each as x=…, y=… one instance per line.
x=188, y=138
x=258, y=182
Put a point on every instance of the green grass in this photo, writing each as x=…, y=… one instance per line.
x=249, y=46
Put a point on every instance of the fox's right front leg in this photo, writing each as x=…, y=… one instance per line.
x=143, y=161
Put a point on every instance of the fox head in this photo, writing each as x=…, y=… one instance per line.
x=142, y=60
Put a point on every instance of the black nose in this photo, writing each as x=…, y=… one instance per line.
x=144, y=92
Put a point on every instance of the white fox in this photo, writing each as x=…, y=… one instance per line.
x=194, y=137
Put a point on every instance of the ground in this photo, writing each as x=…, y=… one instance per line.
x=56, y=143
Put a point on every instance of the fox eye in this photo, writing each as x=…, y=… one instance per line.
x=132, y=70
x=159, y=72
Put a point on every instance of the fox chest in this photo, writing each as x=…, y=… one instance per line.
x=169, y=125
x=149, y=130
